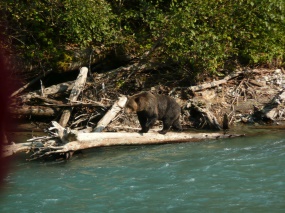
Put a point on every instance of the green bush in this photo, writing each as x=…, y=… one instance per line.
x=202, y=36
x=206, y=35
x=43, y=31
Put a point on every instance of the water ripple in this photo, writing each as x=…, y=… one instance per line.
x=235, y=175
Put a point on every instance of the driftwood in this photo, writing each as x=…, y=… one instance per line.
x=30, y=83
x=111, y=114
x=207, y=119
x=48, y=110
x=66, y=141
x=34, y=110
x=208, y=85
x=130, y=68
x=55, y=89
x=214, y=83
x=10, y=150
x=272, y=111
x=76, y=90
x=55, y=103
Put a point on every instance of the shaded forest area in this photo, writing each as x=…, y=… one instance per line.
x=181, y=40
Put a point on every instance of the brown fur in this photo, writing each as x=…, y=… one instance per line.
x=151, y=107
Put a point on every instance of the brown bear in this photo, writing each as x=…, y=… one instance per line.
x=151, y=107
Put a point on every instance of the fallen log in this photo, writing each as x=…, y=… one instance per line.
x=92, y=140
x=28, y=127
x=54, y=89
x=208, y=85
x=55, y=103
x=10, y=150
x=34, y=110
x=111, y=114
x=76, y=90
x=30, y=83
x=215, y=83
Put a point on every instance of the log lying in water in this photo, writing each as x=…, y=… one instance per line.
x=81, y=141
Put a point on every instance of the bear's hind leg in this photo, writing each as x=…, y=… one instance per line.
x=177, y=126
x=166, y=126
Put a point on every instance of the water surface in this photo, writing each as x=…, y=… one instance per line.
x=228, y=175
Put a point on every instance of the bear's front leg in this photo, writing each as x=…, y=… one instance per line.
x=143, y=122
x=151, y=121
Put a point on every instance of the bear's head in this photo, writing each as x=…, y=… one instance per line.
x=131, y=105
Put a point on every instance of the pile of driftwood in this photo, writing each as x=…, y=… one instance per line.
x=61, y=140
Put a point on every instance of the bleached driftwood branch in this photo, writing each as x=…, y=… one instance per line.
x=210, y=84
x=54, y=89
x=214, y=83
x=111, y=114
x=76, y=90
x=66, y=140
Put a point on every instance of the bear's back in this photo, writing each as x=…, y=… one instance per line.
x=166, y=106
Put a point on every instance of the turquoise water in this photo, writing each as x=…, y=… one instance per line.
x=232, y=175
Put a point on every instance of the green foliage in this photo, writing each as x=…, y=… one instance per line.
x=88, y=22
x=202, y=36
x=44, y=31
x=206, y=34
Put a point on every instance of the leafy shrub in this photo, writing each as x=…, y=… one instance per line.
x=44, y=31
x=202, y=36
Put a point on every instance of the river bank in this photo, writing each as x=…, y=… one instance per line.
x=247, y=96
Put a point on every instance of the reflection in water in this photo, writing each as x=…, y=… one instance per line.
x=241, y=174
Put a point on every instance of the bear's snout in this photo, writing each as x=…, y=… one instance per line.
x=128, y=110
